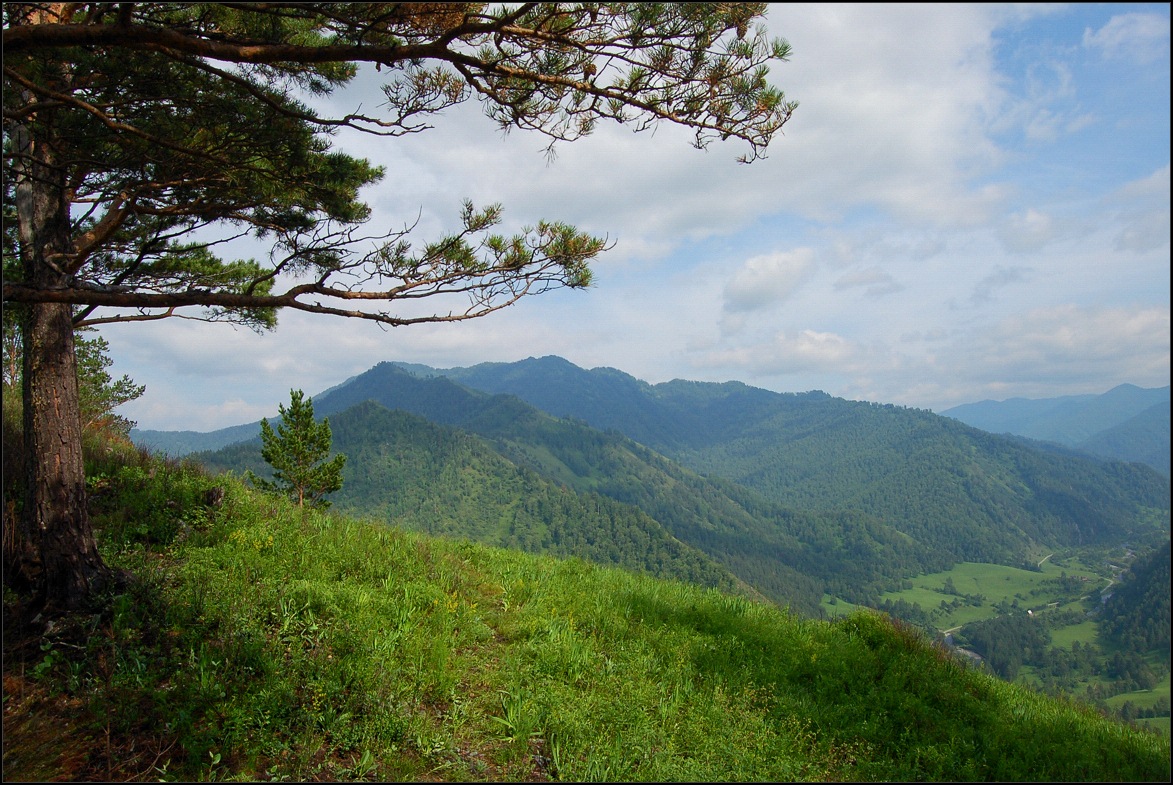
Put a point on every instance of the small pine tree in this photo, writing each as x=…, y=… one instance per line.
x=296, y=452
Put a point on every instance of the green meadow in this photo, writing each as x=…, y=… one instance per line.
x=996, y=583
x=1062, y=594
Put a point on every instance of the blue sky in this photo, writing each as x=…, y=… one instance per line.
x=971, y=202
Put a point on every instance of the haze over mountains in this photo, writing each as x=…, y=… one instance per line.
x=1127, y=423
x=791, y=495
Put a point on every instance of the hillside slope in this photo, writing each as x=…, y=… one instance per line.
x=263, y=642
x=520, y=477
x=413, y=474
x=1137, y=615
x=826, y=494
x=951, y=487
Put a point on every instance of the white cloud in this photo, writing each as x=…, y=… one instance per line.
x=1096, y=332
x=1153, y=187
x=1144, y=216
x=1079, y=122
x=1067, y=343
x=1001, y=277
x=875, y=281
x=785, y=355
x=894, y=103
x=1140, y=37
x=764, y=281
x=1144, y=232
x=1043, y=353
x=1028, y=231
x=1044, y=126
x=934, y=148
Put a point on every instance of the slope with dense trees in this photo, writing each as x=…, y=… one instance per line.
x=790, y=556
x=1137, y=615
x=416, y=475
x=952, y=487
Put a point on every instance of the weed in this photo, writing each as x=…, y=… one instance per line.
x=364, y=766
x=518, y=716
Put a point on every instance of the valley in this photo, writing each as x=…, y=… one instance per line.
x=817, y=504
x=1065, y=599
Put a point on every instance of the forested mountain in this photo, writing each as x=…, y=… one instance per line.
x=408, y=472
x=951, y=492
x=949, y=486
x=788, y=556
x=1144, y=437
x=805, y=492
x=1137, y=615
x=179, y=443
x=1127, y=423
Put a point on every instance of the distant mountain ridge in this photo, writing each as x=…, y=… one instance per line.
x=665, y=415
x=1127, y=423
x=911, y=468
x=1144, y=438
x=792, y=493
x=179, y=443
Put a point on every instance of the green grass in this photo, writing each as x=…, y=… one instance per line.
x=1146, y=699
x=996, y=584
x=263, y=642
x=839, y=607
x=1083, y=632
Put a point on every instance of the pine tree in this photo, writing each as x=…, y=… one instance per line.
x=133, y=132
x=297, y=452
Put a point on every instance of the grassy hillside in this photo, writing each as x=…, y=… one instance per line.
x=920, y=490
x=263, y=643
x=526, y=474
x=410, y=473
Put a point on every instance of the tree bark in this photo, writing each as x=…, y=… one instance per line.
x=68, y=569
x=55, y=546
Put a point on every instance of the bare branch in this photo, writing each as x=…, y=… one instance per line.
x=22, y=38
x=86, y=243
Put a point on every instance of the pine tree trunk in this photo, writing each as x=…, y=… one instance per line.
x=55, y=523
x=55, y=545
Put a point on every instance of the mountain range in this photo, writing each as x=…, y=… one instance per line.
x=1127, y=423
x=788, y=495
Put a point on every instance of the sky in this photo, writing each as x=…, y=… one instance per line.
x=971, y=202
